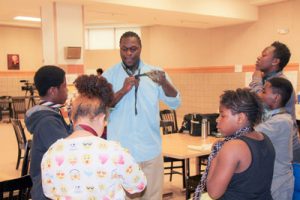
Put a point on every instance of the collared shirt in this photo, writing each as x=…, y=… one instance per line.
x=139, y=133
x=270, y=113
x=256, y=86
x=279, y=128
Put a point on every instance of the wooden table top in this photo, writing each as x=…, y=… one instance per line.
x=176, y=145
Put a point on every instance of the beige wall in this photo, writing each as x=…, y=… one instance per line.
x=241, y=44
x=27, y=42
x=173, y=47
x=100, y=58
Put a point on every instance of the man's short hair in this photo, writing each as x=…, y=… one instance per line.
x=131, y=34
x=99, y=71
x=283, y=87
x=48, y=76
x=281, y=52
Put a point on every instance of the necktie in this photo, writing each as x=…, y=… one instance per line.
x=130, y=73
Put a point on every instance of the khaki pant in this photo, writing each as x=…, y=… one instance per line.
x=154, y=172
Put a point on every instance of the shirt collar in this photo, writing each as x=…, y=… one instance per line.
x=270, y=113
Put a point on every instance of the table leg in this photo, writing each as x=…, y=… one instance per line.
x=186, y=175
x=197, y=163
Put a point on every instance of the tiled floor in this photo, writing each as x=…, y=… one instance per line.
x=8, y=149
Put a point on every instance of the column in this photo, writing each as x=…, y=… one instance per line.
x=62, y=27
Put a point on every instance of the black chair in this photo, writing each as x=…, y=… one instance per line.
x=169, y=115
x=21, y=138
x=169, y=126
x=5, y=107
x=26, y=159
x=191, y=185
x=19, y=106
x=18, y=188
x=298, y=124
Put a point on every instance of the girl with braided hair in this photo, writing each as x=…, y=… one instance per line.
x=241, y=166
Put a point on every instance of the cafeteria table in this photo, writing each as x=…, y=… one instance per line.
x=185, y=146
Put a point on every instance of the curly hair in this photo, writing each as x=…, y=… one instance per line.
x=95, y=96
x=281, y=52
x=243, y=101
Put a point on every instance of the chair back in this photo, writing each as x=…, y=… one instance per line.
x=19, y=106
x=18, y=188
x=298, y=124
x=19, y=132
x=168, y=121
x=26, y=159
x=167, y=127
x=5, y=107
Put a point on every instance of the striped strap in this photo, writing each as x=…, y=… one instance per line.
x=51, y=104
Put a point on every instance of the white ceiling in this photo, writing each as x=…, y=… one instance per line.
x=181, y=13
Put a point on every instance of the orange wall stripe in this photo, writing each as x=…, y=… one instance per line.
x=69, y=69
x=73, y=69
x=248, y=68
x=210, y=69
x=79, y=69
x=289, y=67
x=16, y=73
x=292, y=67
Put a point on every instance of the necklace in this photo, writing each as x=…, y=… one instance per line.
x=86, y=128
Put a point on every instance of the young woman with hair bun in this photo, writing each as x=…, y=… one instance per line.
x=84, y=166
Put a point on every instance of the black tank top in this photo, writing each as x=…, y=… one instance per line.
x=254, y=182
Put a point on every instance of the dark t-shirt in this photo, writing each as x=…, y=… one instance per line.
x=254, y=182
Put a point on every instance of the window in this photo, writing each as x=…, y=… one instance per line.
x=106, y=38
x=100, y=38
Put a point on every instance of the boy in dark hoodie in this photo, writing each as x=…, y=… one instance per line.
x=44, y=121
